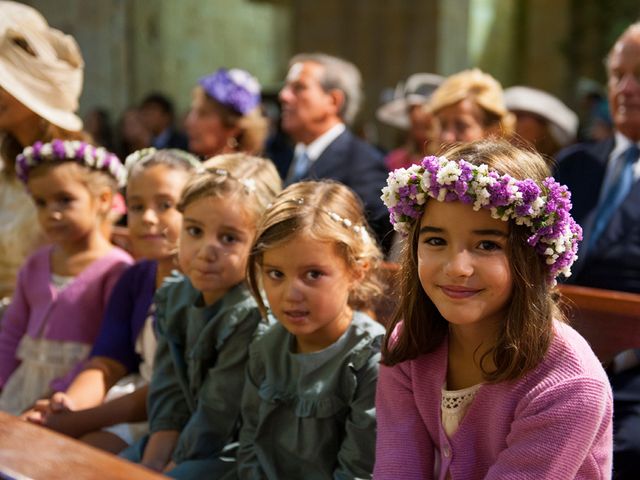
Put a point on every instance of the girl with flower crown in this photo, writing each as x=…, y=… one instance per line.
x=308, y=404
x=62, y=288
x=206, y=321
x=121, y=360
x=481, y=378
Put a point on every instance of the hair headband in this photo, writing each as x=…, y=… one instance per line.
x=544, y=209
x=235, y=88
x=145, y=154
x=96, y=158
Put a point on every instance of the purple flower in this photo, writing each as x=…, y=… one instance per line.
x=235, y=89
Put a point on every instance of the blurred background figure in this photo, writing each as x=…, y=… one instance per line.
x=596, y=123
x=542, y=120
x=97, y=123
x=41, y=74
x=132, y=132
x=469, y=106
x=158, y=116
x=408, y=111
x=225, y=115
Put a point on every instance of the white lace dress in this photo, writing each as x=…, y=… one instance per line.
x=42, y=361
x=453, y=407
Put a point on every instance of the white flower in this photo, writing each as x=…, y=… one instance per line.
x=46, y=150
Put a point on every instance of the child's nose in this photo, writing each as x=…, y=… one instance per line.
x=149, y=216
x=294, y=291
x=460, y=264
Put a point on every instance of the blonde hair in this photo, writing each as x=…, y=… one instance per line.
x=326, y=211
x=254, y=179
x=527, y=328
x=253, y=126
x=480, y=88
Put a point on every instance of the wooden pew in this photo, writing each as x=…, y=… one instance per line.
x=609, y=320
x=29, y=451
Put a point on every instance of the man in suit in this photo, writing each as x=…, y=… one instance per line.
x=321, y=96
x=603, y=179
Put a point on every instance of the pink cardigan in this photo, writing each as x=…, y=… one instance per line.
x=554, y=423
x=74, y=314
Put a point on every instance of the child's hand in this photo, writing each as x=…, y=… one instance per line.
x=170, y=466
x=60, y=402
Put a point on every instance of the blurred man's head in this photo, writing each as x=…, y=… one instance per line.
x=157, y=113
x=623, y=68
x=320, y=91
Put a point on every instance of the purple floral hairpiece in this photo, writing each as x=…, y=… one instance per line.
x=97, y=158
x=235, y=88
x=543, y=208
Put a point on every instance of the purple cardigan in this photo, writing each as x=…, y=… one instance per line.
x=553, y=423
x=74, y=314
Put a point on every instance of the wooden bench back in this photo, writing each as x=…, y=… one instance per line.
x=609, y=320
x=28, y=451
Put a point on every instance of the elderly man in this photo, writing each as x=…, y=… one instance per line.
x=603, y=179
x=321, y=96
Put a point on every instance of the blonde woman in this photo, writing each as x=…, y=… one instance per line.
x=470, y=106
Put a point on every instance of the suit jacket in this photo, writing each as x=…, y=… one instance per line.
x=614, y=261
x=355, y=163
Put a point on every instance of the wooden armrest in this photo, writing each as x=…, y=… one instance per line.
x=609, y=320
x=30, y=451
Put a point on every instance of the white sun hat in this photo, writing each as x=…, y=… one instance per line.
x=13, y=14
x=416, y=90
x=563, y=122
x=42, y=68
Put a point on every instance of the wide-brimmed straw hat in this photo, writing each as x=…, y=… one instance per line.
x=415, y=91
x=563, y=122
x=42, y=68
x=14, y=14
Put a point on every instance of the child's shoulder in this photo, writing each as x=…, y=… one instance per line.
x=569, y=357
x=365, y=326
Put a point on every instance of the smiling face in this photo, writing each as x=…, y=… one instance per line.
x=67, y=210
x=153, y=220
x=215, y=239
x=307, y=283
x=624, y=85
x=463, y=265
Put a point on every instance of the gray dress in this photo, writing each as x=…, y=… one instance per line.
x=311, y=416
x=198, y=376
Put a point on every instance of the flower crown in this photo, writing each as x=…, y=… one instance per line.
x=97, y=158
x=544, y=209
x=145, y=154
x=233, y=88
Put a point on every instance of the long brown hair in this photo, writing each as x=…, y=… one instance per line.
x=527, y=328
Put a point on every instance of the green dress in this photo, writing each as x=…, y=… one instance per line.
x=311, y=415
x=198, y=375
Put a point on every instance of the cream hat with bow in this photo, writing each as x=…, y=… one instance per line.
x=40, y=66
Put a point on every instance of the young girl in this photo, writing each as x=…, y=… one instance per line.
x=62, y=288
x=122, y=358
x=206, y=322
x=481, y=379
x=308, y=404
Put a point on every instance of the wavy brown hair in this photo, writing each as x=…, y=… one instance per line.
x=306, y=208
x=525, y=332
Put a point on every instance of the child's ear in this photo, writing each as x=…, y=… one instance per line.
x=105, y=200
x=359, y=271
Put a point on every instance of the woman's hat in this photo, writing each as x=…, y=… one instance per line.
x=13, y=14
x=236, y=89
x=563, y=122
x=43, y=69
x=415, y=91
